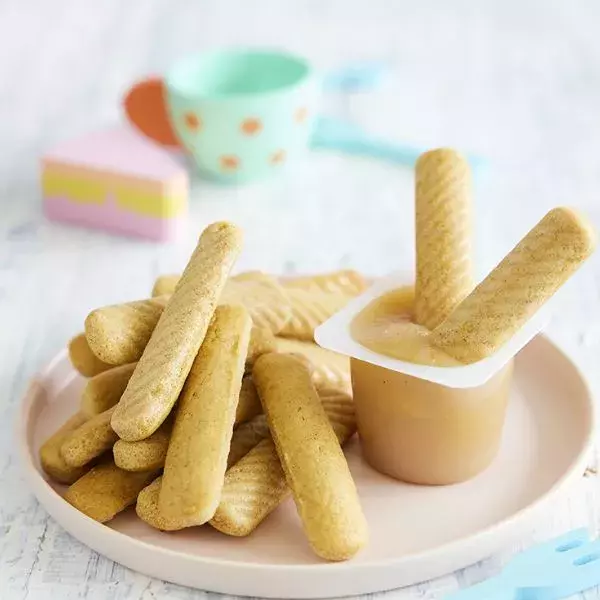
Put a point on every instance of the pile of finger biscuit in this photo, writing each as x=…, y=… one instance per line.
x=210, y=403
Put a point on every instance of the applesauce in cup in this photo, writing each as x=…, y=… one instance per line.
x=412, y=429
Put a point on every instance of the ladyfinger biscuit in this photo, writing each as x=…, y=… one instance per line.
x=119, y=333
x=144, y=455
x=312, y=459
x=89, y=440
x=443, y=235
x=329, y=369
x=256, y=485
x=262, y=341
x=309, y=310
x=165, y=285
x=167, y=359
x=261, y=294
x=248, y=403
x=197, y=456
x=104, y=390
x=106, y=490
x=264, y=298
x=83, y=359
x=50, y=457
x=348, y=282
x=244, y=438
x=526, y=278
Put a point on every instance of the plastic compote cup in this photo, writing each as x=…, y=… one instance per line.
x=422, y=423
x=422, y=432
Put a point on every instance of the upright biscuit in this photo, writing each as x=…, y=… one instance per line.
x=165, y=285
x=197, y=456
x=329, y=369
x=89, y=440
x=104, y=390
x=244, y=438
x=309, y=310
x=264, y=298
x=144, y=455
x=348, y=282
x=51, y=459
x=83, y=359
x=443, y=235
x=119, y=333
x=106, y=490
x=167, y=359
x=256, y=485
x=526, y=278
x=312, y=459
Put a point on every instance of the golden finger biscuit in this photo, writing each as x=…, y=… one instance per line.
x=264, y=298
x=144, y=455
x=167, y=359
x=256, y=485
x=106, y=490
x=262, y=341
x=51, y=459
x=119, y=333
x=104, y=390
x=526, y=278
x=249, y=403
x=329, y=369
x=244, y=438
x=197, y=456
x=311, y=309
x=312, y=459
x=443, y=235
x=348, y=282
x=165, y=285
x=83, y=359
x=89, y=440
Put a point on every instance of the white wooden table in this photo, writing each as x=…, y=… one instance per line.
x=518, y=82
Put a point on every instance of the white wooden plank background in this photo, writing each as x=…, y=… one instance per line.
x=518, y=82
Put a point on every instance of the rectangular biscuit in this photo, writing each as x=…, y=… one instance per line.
x=256, y=485
x=167, y=359
x=197, y=455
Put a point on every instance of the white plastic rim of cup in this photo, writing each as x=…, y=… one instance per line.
x=335, y=335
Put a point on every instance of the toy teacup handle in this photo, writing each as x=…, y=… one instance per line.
x=145, y=108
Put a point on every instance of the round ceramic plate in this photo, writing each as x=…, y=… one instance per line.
x=417, y=533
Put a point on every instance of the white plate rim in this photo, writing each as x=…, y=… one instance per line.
x=87, y=530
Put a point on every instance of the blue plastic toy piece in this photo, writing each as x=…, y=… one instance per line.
x=357, y=77
x=333, y=134
x=556, y=569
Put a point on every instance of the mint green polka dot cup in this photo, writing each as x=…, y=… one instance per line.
x=242, y=114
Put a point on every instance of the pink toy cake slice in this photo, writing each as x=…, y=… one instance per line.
x=117, y=181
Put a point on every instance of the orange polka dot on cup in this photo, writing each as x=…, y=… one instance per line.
x=251, y=126
x=192, y=121
x=278, y=157
x=229, y=163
